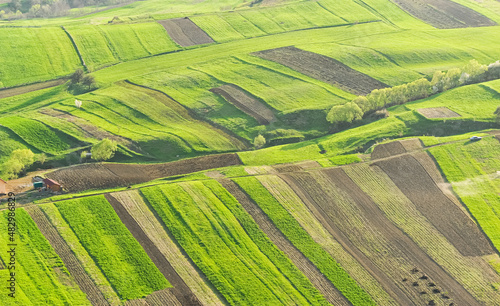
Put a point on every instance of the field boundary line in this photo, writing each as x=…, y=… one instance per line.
x=76, y=48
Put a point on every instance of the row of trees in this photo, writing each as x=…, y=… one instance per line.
x=19, y=160
x=473, y=72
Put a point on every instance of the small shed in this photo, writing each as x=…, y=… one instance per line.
x=52, y=185
x=3, y=187
x=38, y=184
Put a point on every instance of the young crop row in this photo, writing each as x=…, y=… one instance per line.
x=301, y=239
x=121, y=258
x=218, y=245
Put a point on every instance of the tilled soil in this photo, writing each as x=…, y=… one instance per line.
x=319, y=281
x=444, y=14
x=419, y=187
x=246, y=103
x=323, y=68
x=94, y=295
x=438, y=112
x=185, y=32
x=4, y=93
x=181, y=291
x=388, y=149
x=100, y=176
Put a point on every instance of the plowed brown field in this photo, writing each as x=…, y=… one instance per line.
x=181, y=291
x=100, y=176
x=410, y=176
x=300, y=261
x=323, y=68
x=70, y=261
x=437, y=112
x=246, y=103
x=388, y=149
x=444, y=14
x=185, y=32
x=4, y=93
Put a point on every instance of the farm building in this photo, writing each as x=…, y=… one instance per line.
x=3, y=186
x=52, y=185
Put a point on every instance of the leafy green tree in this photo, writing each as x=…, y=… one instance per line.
x=475, y=71
x=88, y=81
x=18, y=161
x=77, y=76
x=346, y=113
x=437, y=81
x=259, y=141
x=363, y=103
x=452, y=78
x=104, y=150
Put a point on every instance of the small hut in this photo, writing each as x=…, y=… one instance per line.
x=52, y=185
x=3, y=187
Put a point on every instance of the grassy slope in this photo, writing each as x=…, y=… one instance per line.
x=112, y=246
x=41, y=277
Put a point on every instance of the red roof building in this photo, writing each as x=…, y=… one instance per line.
x=52, y=185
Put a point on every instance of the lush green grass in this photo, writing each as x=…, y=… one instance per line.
x=41, y=277
x=36, y=134
x=121, y=258
x=266, y=246
x=472, y=167
x=219, y=246
x=31, y=55
x=302, y=241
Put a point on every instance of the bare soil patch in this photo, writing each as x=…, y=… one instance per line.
x=444, y=14
x=5, y=93
x=419, y=187
x=284, y=168
x=388, y=149
x=180, y=290
x=100, y=176
x=185, y=32
x=319, y=281
x=412, y=144
x=94, y=295
x=438, y=112
x=246, y=103
x=323, y=68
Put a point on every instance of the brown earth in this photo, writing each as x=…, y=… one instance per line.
x=419, y=187
x=5, y=93
x=100, y=176
x=444, y=14
x=438, y=112
x=284, y=168
x=180, y=290
x=323, y=68
x=94, y=295
x=246, y=103
x=319, y=281
x=388, y=149
x=412, y=144
x=185, y=32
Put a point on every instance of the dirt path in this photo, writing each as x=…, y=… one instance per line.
x=319, y=281
x=181, y=291
x=9, y=92
x=74, y=267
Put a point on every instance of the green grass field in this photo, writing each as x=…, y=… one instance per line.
x=121, y=258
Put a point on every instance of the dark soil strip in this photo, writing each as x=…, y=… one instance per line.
x=10, y=92
x=319, y=281
x=412, y=179
x=438, y=112
x=444, y=14
x=317, y=207
x=76, y=48
x=164, y=297
x=388, y=149
x=246, y=103
x=323, y=68
x=94, y=295
x=398, y=238
x=185, y=32
x=181, y=291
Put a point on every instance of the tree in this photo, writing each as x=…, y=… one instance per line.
x=88, y=80
x=437, y=81
x=77, y=76
x=18, y=161
x=497, y=112
x=259, y=141
x=475, y=71
x=104, y=150
x=451, y=79
x=494, y=70
x=346, y=113
x=363, y=103
x=42, y=158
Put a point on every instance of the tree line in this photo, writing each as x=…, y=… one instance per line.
x=378, y=99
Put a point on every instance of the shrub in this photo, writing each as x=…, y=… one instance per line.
x=104, y=150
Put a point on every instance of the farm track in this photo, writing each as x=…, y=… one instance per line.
x=10, y=92
x=323, y=68
x=98, y=176
x=375, y=233
x=414, y=181
x=246, y=103
x=181, y=291
x=185, y=32
x=319, y=281
x=444, y=14
x=94, y=295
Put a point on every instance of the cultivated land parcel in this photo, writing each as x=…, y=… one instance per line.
x=397, y=207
